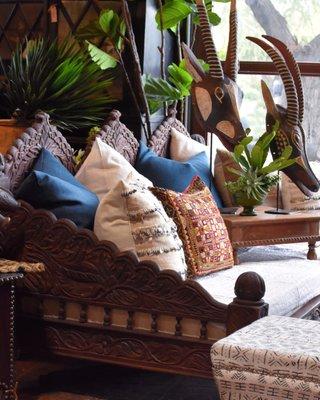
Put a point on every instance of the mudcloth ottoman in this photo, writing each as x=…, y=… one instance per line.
x=274, y=358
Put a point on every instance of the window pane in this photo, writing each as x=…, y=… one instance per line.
x=253, y=110
x=295, y=22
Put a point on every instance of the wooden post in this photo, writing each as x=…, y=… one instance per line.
x=249, y=305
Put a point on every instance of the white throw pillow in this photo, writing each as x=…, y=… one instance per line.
x=103, y=169
x=182, y=148
x=134, y=219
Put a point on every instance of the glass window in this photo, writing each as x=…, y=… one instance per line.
x=294, y=22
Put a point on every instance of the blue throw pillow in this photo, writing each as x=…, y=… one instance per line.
x=52, y=187
x=48, y=163
x=174, y=175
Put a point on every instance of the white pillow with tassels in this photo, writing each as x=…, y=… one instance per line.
x=134, y=219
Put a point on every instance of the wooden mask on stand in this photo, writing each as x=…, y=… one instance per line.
x=290, y=118
x=215, y=95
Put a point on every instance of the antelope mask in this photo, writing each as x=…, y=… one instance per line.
x=216, y=97
x=290, y=130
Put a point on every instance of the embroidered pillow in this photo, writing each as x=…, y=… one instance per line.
x=103, y=168
x=200, y=226
x=134, y=219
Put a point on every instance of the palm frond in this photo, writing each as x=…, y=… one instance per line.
x=58, y=79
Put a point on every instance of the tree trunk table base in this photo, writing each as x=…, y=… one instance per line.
x=269, y=229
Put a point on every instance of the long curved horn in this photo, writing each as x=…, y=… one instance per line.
x=294, y=69
x=289, y=86
x=231, y=65
x=215, y=68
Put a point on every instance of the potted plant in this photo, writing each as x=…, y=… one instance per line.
x=56, y=78
x=255, y=179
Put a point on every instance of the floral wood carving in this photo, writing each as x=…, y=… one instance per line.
x=118, y=136
x=128, y=348
x=160, y=139
x=81, y=268
x=123, y=346
x=19, y=159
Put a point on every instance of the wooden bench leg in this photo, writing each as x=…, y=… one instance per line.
x=312, y=254
x=235, y=256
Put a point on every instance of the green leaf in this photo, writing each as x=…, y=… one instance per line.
x=244, y=163
x=158, y=89
x=100, y=57
x=203, y=64
x=105, y=18
x=90, y=31
x=122, y=30
x=181, y=79
x=238, y=150
x=247, y=140
x=179, y=74
x=286, y=152
x=257, y=156
x=277, y=166
x=214, y=18
x=154, y=106
x=234, y=171
x=173, y=12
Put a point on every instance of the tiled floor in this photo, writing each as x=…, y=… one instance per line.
x=80, y=381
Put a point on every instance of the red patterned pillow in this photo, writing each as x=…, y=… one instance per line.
x=200, y=226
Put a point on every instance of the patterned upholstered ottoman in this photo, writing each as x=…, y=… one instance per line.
x=275, y=358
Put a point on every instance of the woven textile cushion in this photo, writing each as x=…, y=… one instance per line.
x=291, y=280
x=134, y=219
x=292, y=197
x=103, y=168
x=274, y=358
x=200, y=226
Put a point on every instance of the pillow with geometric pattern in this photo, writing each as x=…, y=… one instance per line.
x=205, y=239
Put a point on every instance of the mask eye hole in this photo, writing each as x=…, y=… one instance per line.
x=219, y=93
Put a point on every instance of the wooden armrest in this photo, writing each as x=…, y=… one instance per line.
x=3, y=221
x=7, y=200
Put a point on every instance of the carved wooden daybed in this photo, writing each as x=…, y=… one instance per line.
x=94, y=302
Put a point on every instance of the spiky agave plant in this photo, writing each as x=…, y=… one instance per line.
x=255, y=178
x=58, y=79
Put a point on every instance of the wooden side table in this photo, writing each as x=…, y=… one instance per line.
x=7, y=306
x=268, y=229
